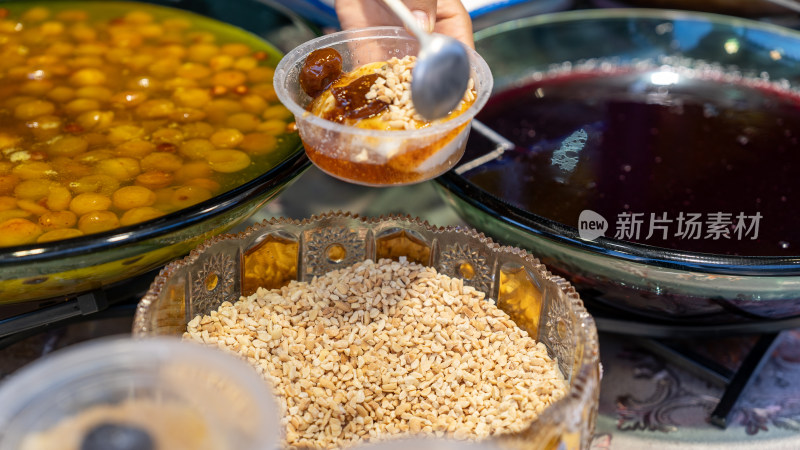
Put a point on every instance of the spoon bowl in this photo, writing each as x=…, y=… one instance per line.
x=440, y=76
x=441, y=73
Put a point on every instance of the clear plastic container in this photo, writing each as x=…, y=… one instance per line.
x=181, y=395
x=376, y=157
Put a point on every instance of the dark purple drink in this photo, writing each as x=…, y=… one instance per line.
x=702, y=164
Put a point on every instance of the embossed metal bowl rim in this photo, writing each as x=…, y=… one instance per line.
x=297, y=56
x=585, y=328
x=282, y=173
x=609, y=247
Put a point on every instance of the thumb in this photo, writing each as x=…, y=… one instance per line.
x=424, y=12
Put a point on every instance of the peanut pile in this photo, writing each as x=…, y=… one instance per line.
x=393, y=87
x=384, y=349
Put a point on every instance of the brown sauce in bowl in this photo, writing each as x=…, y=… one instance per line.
x=321, y=69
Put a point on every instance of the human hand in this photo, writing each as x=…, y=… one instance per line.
x=447, y=17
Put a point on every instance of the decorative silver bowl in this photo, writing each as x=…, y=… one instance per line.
x=272, y=253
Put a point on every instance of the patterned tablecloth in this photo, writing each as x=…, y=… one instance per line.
x=647, y=402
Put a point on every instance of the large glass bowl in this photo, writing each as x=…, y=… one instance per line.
x=73, y=266
x=683, y=287
x=271, y=253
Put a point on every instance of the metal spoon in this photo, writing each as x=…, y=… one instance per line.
x=441, y=73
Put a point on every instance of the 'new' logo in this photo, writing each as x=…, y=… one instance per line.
x=591, y=225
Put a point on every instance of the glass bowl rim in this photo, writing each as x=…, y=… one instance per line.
x=633, y=13
x=617, y=249
x=487, y=203
x=372, y=33
x=283, y=172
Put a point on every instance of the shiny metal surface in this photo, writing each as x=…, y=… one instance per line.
x=272, y=252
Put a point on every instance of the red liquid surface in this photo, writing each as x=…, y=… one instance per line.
x=641, y=143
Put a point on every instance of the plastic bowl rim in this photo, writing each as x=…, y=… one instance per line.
x=112, y=354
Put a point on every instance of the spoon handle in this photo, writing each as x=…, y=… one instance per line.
x=404, y=14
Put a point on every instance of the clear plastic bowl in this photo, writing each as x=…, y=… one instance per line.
x=376, y=157
x=218, y=400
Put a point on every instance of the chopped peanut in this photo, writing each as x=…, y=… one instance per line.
x=383, y=349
